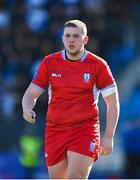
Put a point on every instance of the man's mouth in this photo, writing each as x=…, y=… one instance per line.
x=71, y=46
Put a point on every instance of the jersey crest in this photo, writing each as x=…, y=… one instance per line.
x=86, y=77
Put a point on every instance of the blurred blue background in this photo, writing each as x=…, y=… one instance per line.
x=31, y=29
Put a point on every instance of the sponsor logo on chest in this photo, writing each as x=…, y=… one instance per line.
x=58, y=75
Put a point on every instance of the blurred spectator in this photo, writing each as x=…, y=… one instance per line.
x=30, y=149
x=131, y=74
x=5, y=18
x=34, y=67
x=94, y=6
x=37, y=19
x=130, y=130
x=131, y=138
x=34, y=3
x=71, y=1
x=8, y=104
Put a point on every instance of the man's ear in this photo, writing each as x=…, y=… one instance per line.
x=63, y=38
x=85, y=40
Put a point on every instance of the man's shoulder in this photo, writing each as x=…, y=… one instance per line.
x=56, y=55
x=96, y=59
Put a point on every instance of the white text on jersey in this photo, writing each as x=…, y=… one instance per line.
x=56, y=75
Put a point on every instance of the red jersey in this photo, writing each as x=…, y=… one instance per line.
x=73, y=88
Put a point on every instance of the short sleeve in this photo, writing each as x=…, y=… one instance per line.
x=40, y=78
x=104, y=77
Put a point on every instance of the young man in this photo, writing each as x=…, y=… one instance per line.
x=74, y=77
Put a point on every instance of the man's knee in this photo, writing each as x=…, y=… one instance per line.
x=79, y=174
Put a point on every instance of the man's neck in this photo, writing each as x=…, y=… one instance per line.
x=75, y=57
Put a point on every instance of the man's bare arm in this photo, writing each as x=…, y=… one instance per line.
x=112, y=102
x=29, y=101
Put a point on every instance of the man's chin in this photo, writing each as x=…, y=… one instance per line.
x=73, y=52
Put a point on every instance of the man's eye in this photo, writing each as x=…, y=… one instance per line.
x=76, y=35
x=67, y=35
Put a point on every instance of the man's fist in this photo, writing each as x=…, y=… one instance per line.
x=29, y=116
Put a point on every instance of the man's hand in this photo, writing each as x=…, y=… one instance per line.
x=29, y=116
x=106, y=147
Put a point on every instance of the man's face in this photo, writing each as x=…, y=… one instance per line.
x=74, y=40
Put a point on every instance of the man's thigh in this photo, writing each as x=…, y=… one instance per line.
x=79, y=166
x=59, y=170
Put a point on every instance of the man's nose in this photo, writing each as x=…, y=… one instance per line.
x=71, y=39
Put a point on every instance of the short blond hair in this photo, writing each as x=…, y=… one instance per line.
x=78, y=24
